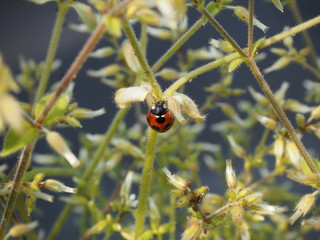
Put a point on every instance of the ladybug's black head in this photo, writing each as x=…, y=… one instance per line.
x=160, y=108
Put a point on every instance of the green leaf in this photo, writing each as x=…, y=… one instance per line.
x=14, y=141
x=257, y=45
x=113, y=25
x=235, y=64
x=86, y=14
x=41, y=1
x=56, y=112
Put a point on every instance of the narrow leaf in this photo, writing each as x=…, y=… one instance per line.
x=86, y=14
x=56, y=112
x=14, y=141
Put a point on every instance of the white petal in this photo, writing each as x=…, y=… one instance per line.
x=125, y=96
x=189, y=107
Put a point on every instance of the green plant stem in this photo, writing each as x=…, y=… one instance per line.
x=145, y=183
x=172, y=217
x=217, y=63
x=62, y=10
x=142, y=60
x=144, y=38
x=177, y=45
x=221, y=30
x=291, y=32
x=18, y=180
x=60, y=221
x=281, y=115
x=310, y=69
x=305, y=35
x=250, y=27
x=74, y=68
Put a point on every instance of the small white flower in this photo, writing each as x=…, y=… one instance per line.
x=177, y=103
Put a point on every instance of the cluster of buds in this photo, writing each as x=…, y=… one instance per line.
x=286, y=151
x=287, y=55
x=185, y=196
x=33, y=190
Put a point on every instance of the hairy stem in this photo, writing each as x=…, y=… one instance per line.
x=217, y=63
x=177, y=45
x=281, y=115
x=62, y=10
x=142, y=59
x=305, y=35
x=221, y=30
x=74, y=68
x=250, y=27
x=15, y=191
x=145, y=183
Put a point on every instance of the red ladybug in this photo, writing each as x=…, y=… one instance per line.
x=160, y=118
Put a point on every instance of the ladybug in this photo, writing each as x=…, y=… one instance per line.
x=159, y=117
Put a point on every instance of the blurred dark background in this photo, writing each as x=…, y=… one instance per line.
x=25, y=30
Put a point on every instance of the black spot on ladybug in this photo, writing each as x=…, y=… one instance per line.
x=167, y=126
x=160, y=120
x=155, y=128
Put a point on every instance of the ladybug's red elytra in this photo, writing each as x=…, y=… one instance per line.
x=159, y=117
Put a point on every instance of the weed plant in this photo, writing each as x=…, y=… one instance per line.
x=156, y=183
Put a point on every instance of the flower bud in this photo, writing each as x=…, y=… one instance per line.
x=279, y=64
x=267, y=122
x=303, y=207
x=169, y=74
x=236, y=148
x=231, y=175
x=10, y=112
x=30, y=203
x=260, y=98
x=243, y=15
x=58, y=144
x=278, y=147
x=315, y=113
x=192, y=232
x=79, y=113
x=102, y=52
x=300, y=120
x=57, y=186
x=296, y=106
x=293, y=153
x=129, y=56
x=174, y=107
x=21, y=229
x=159, y=33
x=223, y=45
x=109, y=70
x=176, y=181
x=279, y=51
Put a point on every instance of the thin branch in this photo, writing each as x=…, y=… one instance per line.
x=142, y=59
x=250, y=28
x=145, y=183
x=281, y=115
x=62, y=10
x=305, y=35
x=15, y=191
x=221, y=30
